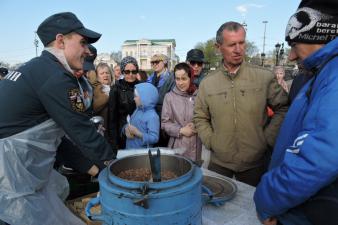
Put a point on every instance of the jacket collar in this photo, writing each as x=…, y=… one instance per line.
x=318, y=58
x=47, y=54
x=238, y=71
x=59, y=54
x=183, y=93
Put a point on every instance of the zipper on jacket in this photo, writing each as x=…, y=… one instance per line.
x=234, y=102
x=232, y=77
x=235, y=112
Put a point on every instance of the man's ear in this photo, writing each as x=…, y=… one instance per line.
x=217, y=47
x=59, y=41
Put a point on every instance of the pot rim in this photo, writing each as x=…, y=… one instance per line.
x=151, y=185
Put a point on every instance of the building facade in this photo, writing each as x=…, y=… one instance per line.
x=105, y=58
x=142, y=50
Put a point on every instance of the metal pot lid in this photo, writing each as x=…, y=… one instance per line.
x=218, y=190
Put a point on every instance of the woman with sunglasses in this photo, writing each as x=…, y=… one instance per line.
x=177, y=114
x=195, y=58
x=121, y=101
x=163, y=80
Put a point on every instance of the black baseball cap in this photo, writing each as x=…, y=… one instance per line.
x=195, y=55
x=64, y=23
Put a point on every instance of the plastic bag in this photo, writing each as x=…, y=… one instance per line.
x=29, y=186
x=205, y=157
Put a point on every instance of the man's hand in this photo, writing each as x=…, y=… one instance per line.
x=270, y=221
x=101, y=129
x=93, y=171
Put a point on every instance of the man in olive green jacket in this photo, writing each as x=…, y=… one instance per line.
x=230, y=112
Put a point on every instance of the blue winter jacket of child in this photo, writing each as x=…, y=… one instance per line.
x=145, y=118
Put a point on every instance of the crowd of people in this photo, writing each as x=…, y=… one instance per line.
x=67, y=114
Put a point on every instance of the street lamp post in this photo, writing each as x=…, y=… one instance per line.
x=263, y=53
x=279, y=52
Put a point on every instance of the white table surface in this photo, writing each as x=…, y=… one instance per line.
x=238, y=211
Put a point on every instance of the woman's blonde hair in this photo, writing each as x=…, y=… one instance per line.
x=105, y=65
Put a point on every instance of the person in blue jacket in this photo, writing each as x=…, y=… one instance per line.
x=164, y=81
x=161, y=78
x=143, y=127
x=300, y=186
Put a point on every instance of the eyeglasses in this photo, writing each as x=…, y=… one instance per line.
x=155, y=62
x=193, y=63
x=130, y=71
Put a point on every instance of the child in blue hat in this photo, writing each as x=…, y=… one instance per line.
x=143, y=128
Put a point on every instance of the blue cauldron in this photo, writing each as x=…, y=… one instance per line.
x=176, y=201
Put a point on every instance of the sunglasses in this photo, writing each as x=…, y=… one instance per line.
x=193, y=63
x=155, y=62
x=130, y=71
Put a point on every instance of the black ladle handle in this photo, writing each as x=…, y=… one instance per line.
x=155, y=165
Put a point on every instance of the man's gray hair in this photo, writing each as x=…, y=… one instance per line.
x=229, y=26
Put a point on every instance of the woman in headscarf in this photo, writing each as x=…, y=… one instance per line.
x=121, y=101
x=177, y=113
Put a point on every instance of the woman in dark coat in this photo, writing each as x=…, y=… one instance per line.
x=121, y=101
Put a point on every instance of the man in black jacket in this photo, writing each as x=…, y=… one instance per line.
x=44, y=100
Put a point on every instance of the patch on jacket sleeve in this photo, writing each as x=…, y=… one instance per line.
x=13, y=75
x=295, y=148
x=76, y=100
